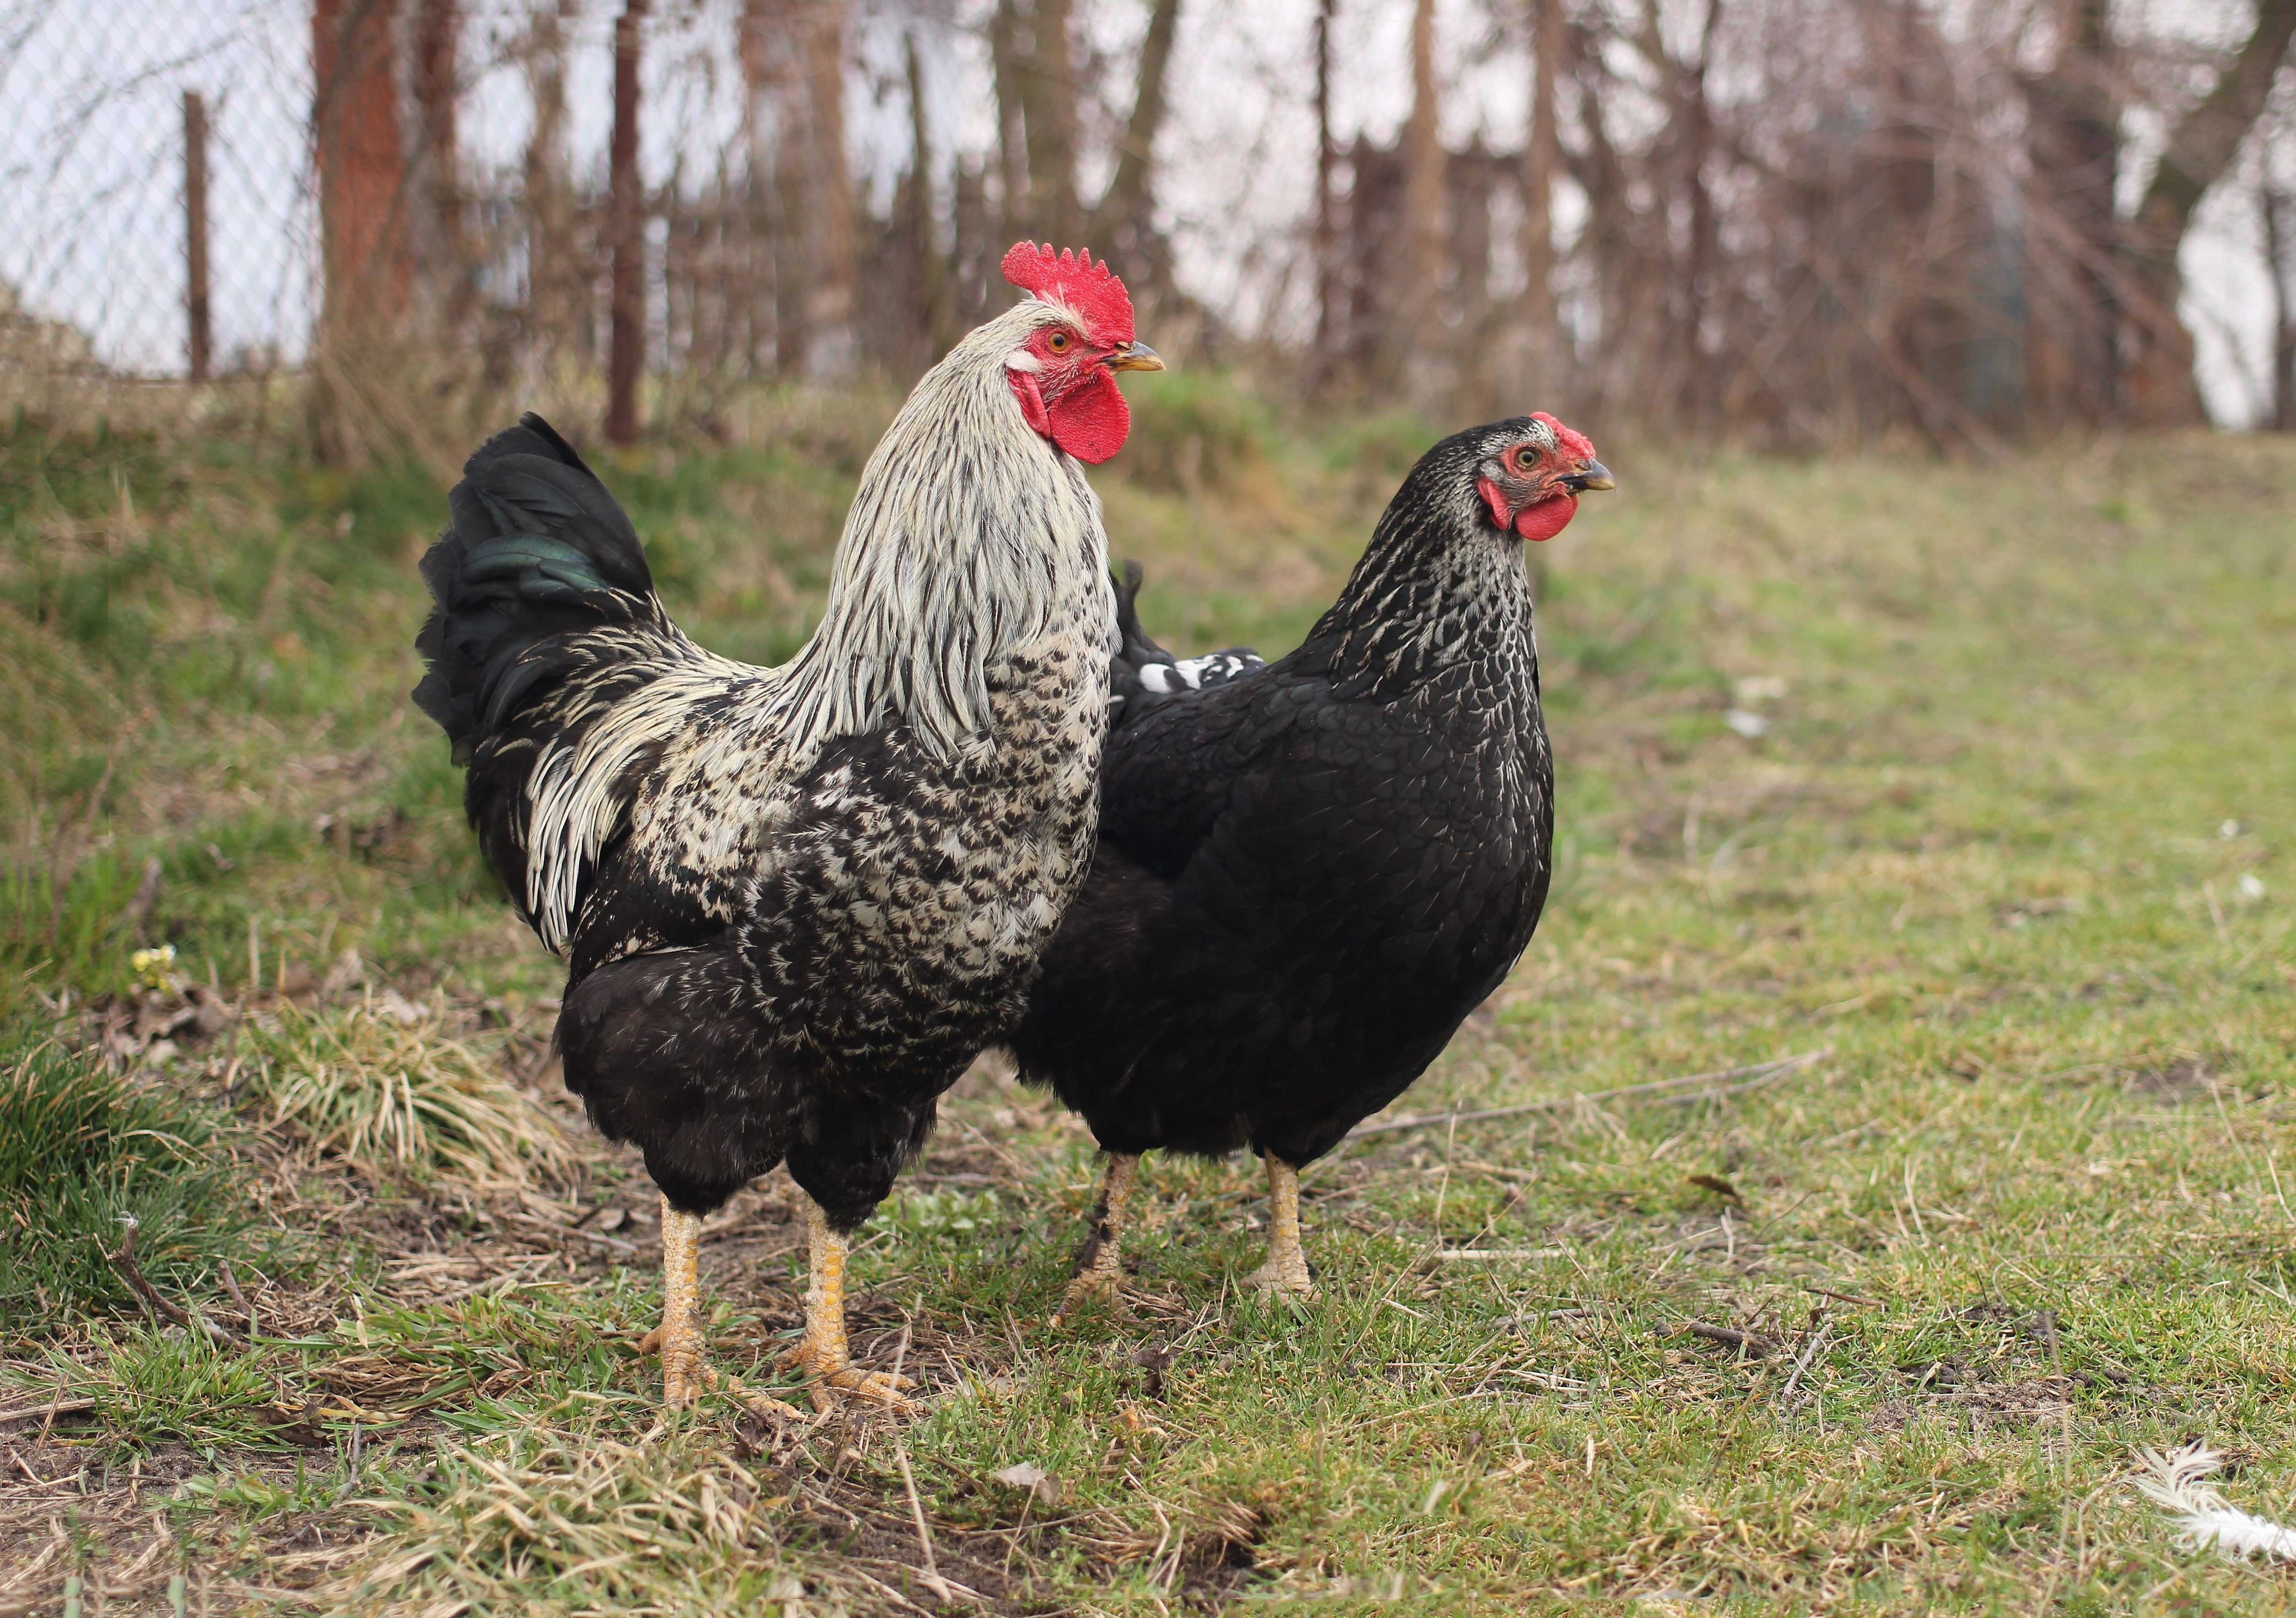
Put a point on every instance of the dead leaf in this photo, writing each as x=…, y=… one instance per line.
x=1036, y=1479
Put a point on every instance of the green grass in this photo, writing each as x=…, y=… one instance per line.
x=2011, y=848
x=82, y=1152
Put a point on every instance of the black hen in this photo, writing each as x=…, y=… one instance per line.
x=1310, y=872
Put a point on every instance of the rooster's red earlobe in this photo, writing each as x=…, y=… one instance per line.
x=1092, y=290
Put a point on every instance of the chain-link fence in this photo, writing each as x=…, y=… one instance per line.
x=94, y=254
x=220, y=188
x=1846, y=231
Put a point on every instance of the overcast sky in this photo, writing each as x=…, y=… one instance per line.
x=91, y=164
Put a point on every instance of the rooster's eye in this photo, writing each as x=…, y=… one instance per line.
x=1058, y=342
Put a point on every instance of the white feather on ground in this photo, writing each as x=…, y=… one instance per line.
x=2204, y=1517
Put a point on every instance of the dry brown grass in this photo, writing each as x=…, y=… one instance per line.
x=384, y=1086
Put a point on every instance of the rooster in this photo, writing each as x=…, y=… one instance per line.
x=796, y=901
x=1310, y=871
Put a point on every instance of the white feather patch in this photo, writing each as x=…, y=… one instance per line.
x=2205, y=1518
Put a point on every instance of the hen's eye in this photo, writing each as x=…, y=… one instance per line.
x=1058, y=342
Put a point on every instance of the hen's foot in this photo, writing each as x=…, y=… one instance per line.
x=687, y=1388
x=832, y=1374
x=1285, y=1272
x=1099, y=1266
x=1283, y=1275
x=1094, y=1288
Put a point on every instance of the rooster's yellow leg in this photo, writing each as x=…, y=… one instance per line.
x=1286, y=1268
x=821, y=1354
x=1100, y=1269
x=686, y=1373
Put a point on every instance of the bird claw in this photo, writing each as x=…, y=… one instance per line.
x=870, y=1387
x=761, y=1404
x=686, y=1375
x=1097, y=1287
x=833, y=1374
x=1278, y=1278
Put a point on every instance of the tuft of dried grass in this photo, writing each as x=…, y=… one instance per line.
x=386, y=1087
x=544, y=1520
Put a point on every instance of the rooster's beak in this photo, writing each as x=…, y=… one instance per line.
x=1590, y=475
x=1135, y=356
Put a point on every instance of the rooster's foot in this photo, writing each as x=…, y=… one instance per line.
x=761, y=1404
x=1100, y=1267
x=832, y=1375
x=685, y=1371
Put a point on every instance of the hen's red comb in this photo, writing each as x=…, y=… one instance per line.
x=1072, y=278
x=1571, y=439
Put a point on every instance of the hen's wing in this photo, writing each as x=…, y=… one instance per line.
x=1179, y=732
x=1142, y=674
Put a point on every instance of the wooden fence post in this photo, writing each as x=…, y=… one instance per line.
x=195, y=231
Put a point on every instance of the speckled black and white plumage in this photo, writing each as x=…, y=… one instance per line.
x=1310, y=871
x=795, y=901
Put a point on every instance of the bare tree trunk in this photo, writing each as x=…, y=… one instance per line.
x=1541, y=326
x=2073, y=352
x=833, y=350
x=626, y=348
x=1703, y=259
x=1006, y=52
x=936, y=320
x=2162, y=387
x=362, y=160
x=444, y=255
x=1422, y=212
x=1036, y=107
x=1331, y=316
x=793, y=59
x=556, y=307
x=1125, y=218
x=2279, y=260
x=366, y=269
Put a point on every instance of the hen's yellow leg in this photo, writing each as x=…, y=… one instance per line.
x=821, y=1352
x=1100, y=1269
x=1286, y=1268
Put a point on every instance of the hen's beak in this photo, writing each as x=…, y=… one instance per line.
x=1135, y=356
x=1590, y=475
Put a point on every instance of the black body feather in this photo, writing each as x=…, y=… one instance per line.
x=1310, y=872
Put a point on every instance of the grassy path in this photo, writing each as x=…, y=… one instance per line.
x=1979, y=781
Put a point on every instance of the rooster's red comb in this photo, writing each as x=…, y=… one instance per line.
x=1571, y=439
x=1072, y=278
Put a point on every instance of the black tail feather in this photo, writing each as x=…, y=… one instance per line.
x=536, y=548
